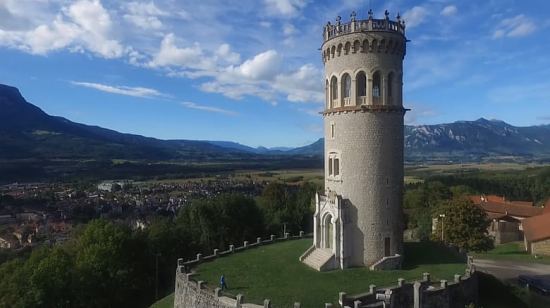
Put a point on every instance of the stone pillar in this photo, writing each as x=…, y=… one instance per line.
x=400, y=282
x=232, y=248
x=199, y=257
x=297, y=305
x=216, y=250
x=328, y=305
x=218, y=292
x=353, y=90
x=245, y=244
x=287, y=235
x=444, y=283
x=457, y=278
x=341, y=298
x=272, y=237
x=240, y=300
x=180, y=262
x=426, y=277
x=384, y=89
x=258, y=240
x=301, y=233
x=357, y=304
x=369, y=90
x=267, y=303
x=200, y=285
x=372, y=288
x=417, y=295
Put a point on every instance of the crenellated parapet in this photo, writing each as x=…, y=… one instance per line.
x=371, y=24
x=353, y=43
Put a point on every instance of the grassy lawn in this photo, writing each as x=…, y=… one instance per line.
x=274, y=272
x=512, y=251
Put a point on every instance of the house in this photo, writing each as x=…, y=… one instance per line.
x=505, y=216
x=537, y=234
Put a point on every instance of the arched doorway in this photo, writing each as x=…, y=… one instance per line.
x=329, y=232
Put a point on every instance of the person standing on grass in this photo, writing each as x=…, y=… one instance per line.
x=223, y=285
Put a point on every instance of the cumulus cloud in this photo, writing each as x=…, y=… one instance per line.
x=285, y=8
x=516, y=26
x=122, y=90
x=170, y=54
x=144, y=15
x=83, y=25
x=449, y=10
x=303, y=85
x=415, y=16
x=196, y=106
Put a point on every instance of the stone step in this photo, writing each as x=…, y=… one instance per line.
x=318, y=258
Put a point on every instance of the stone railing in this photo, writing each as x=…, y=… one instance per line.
x=371, y=24
x=190, y=293
x=419, y=294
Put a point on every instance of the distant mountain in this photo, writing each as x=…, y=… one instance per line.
x=28, y=132
x=480, y=138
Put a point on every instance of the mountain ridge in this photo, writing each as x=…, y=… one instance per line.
x=28, y=132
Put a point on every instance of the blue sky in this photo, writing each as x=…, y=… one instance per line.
x=250, y=70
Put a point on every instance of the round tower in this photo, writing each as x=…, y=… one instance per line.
x=359, y=219
x=364, y=132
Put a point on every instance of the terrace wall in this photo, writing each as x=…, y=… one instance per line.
x=190, y=293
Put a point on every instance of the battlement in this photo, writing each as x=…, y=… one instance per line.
x=371, y=24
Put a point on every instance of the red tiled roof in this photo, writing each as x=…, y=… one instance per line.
x=498, y=205
x=510, y=209
x=523, y=203
x=537, y=228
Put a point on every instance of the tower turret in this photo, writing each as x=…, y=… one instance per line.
x=359, y=218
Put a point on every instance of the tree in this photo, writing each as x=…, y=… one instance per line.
x=464, y=225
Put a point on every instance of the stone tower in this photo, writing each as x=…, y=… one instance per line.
x=359, y=220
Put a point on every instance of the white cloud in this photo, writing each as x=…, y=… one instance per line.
x=415, y=16
x=303, y=85
x=84, y=25
x=516, y=26
x=196, y=106
x=264, y=66
x=285, y=8
x=289, y=29
x=186, y=57
x=122, y=90
x=144, y=15
x=225, y=54
x=418, y=114
x=449, y=10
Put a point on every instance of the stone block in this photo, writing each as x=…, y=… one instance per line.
x=232, y=248
x=217, y=292
x=444, y=283
x=267, y=303
x=458, y=277
x=245, y=244
x=272, y=237
x=216, y=251
x=258, y=240
x=426, y=277
x=301, y=233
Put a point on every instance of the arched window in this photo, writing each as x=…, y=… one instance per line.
x=361, y=84
x=346, y=85
x=333, y=90
x=376, y=87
